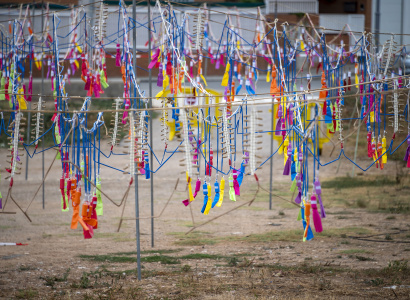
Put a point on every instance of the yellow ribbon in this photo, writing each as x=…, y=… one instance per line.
x=372, y=116
x=188, y=180
x=159, y=95
x=221, y=192
x=78, y=48
x=209, y=203
x=375, y=152
x=203, y=78
x=384, y=156
x=225, y=79
x=285, y=150
x=20, y=99
x=165, y=82
x=171, y=126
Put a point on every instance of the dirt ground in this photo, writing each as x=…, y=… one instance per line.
x=250, y=253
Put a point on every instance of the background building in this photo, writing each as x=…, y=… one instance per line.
x=393, y=19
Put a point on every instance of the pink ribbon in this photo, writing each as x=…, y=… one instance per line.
x=154, y=59
x=236, y=183
x=118, y=57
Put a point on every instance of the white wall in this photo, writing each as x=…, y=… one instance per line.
x=292, y=6
x=338, y=21
x=391, y=18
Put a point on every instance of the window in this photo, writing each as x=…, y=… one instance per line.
x=350, y=7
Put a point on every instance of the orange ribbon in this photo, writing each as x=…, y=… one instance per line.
x=75, y=201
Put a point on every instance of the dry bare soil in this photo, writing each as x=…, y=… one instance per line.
x=250, y=253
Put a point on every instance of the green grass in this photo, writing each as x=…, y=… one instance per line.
x=102, y=271
x=395, y=271
x=360, y=203
x=363, y=258
x=25, y=268
x=397, y=266
x=129, y=257
x=202, y=256
x=354, y=251
x=51, y=280
x=196, y=238
x=186, y=268
x=195, y=242
x=247, y=254
x=350, y=182
x=375, y=282
x=108, y=258
x=27, y=294
x=185, y=224
x=160, y=251
x=375, y=194
x=393, y=206
x=164, y=259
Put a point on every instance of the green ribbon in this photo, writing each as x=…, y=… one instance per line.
x=62, y=202
x=231, y=189
x=99, y=207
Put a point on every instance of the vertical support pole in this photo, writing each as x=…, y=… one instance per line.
x=206, y=57
x=271, y=159
x=42, y=93
x=377, y=29
x=150, y=123
x=29, y=106
x=137, y=212
x=272, y=129
x=137, y=221
x=402, y=22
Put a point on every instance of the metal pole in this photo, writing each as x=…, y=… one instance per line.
x=271, y=159
x=272, y=128
x=42, y=93
x=276, y=9
x=206, y=57
x=377, y=29
x=29, y=107
x=137, y=212
x=92, y=13
x=137, y=221
x=150, y=123
x=402, y=22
